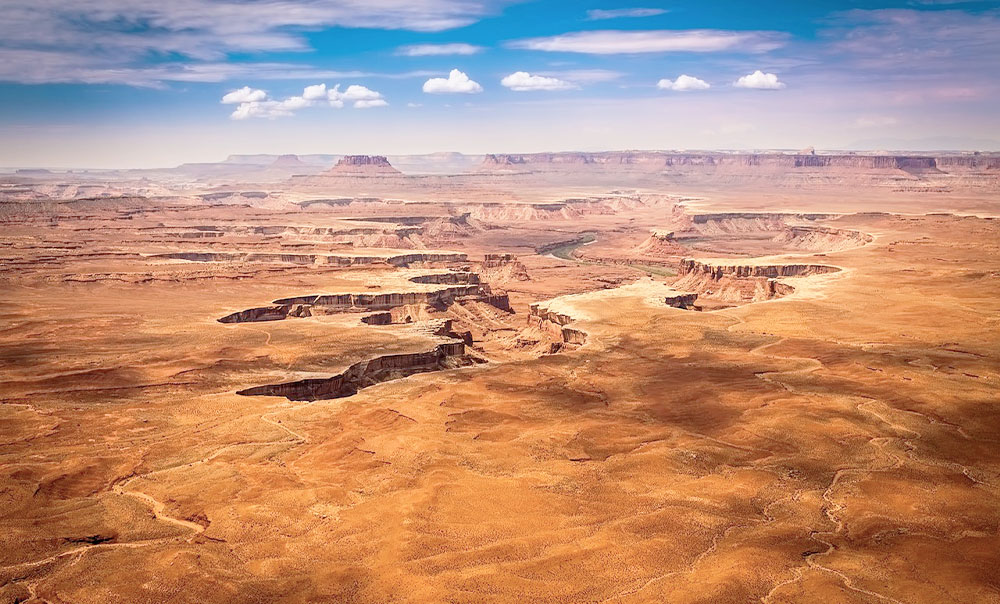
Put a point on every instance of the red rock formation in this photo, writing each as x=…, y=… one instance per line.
x=503, y=268
x=661, y=243
x=556, y=323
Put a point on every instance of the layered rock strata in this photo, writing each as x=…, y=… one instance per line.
x=556, y=323
x=366, y=373
x=401, y=260
x=467, y=288
x=716, y=271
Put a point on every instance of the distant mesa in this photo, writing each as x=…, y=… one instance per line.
x=288, y=161
x=363, y=164
x=503, y=160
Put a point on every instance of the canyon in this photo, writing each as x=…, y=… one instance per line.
x=627, y=376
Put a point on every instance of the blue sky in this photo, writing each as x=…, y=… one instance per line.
x=135, y=83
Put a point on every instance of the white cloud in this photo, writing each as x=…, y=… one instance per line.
x=255, y=103
x=370, y=103
x=315, y=92
x=760, y=81
x=523, y=81
x=355, y=92
x=683, y=83
x=362, y=97
x=625, y=42
x=617, y=13
x=244, y=95
x=434, y=50
x=456, y=82
x=295, y=102
x=265, y=109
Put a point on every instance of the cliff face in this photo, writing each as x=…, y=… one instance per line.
x=366, y=373
x=556, y=323
x=503, y=268
x=459, y=287
x=688, y=266
x=741, y=283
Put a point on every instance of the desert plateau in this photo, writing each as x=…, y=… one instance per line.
x=321, y=390
x=499, y=302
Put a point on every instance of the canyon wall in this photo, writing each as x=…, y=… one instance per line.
x=401, y=260
x=468, y=288
x=740, y=271
x=366, y=373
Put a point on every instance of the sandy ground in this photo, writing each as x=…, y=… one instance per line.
x=834, y=443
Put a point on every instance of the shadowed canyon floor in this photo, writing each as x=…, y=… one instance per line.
x=629, y=392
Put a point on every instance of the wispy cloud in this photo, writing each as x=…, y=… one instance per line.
x=902, y=42
x=89, y=40
x=618, y=13
x=435, y=50
x=47, y=67
x=605, y=42
x=584, y=76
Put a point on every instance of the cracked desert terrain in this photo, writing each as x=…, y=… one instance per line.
x=554, y=378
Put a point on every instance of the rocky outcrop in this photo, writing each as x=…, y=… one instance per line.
x=556, y=323
x=378, y=318
x=361, y=165
x=360, y=375
x=683, y=300
x=503, y=268
x=659, y=244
